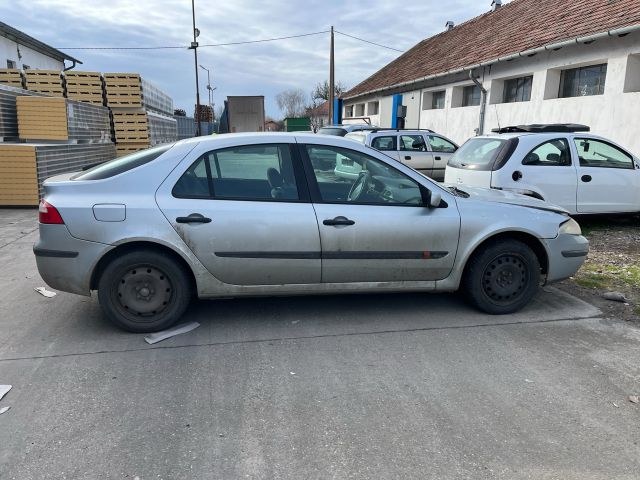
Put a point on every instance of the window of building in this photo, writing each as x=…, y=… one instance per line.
x=11, y=63
x=471, y=96
x=596, y=153
x=632, y=74
x=384, y=143
x=253, y=172
x=360, y=110
x=373, y=108
x=348, y=111
x=437, y=100
x=518, y=89
x=440, y=145
x=554, y=153
x=583, y=81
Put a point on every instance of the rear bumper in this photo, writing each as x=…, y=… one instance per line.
x=66, y=263
x=567, y=253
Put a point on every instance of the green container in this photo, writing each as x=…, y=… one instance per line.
x=297, y=124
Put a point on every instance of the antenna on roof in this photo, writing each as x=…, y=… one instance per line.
x=449, y=25
x=495, y=5
x=497, y=117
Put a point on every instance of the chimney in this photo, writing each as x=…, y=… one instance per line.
x=449, y=25
x=495, y=5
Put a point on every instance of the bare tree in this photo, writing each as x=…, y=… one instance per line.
x=321, y=90
x=292, y=102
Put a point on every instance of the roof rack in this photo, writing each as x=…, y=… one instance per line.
x=378, y=129
x=544, y=128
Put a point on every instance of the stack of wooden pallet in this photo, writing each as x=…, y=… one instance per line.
x=48, y=82
x=60, y=119
x=123, y=90
x=11, y=77
x=24, y=167
x=130, y=130
x=84, y=87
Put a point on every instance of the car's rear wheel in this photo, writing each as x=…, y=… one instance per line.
x=502, y=277
x=144, y=291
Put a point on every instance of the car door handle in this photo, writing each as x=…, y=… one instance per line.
x=407, y=157
x=193, y=218
x=338, y=221
x=586, y=178
x=438, y=158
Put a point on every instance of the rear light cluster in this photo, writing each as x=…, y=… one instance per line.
x=47, y=213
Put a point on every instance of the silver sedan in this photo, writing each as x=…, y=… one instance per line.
x=265, y=214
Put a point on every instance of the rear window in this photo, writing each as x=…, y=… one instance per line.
x=337, y=132
x=122, y=164
x=483, y=153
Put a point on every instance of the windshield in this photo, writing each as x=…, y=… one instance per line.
x=477, y=153
x=122, y=164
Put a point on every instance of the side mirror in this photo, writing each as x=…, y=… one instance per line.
x=436, y=200
x=430, y=199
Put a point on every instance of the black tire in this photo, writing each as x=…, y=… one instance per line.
x=501, y=277
x=144, y=291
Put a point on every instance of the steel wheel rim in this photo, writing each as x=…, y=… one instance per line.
x=505, y=278
x=143, y=292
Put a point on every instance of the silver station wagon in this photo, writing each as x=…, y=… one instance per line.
x=264, y=214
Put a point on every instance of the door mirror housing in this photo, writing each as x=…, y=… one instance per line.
x=430, y=199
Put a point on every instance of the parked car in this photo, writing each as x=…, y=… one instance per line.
x=422, y=150
x=562, y=164
x=249, y=215
x=342, y=130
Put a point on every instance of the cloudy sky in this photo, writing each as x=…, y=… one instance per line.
x=254, y=69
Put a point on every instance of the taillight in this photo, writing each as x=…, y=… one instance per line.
x=47, y=213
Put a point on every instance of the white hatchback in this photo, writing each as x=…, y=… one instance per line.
x=561, y=164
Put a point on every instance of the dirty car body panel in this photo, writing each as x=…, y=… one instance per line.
x=295, y=229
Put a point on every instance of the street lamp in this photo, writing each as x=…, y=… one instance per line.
x=209, y=89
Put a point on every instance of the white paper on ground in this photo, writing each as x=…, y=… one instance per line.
x=171, y=332
x=4, y=389
x=4, y=409
x=44, y=292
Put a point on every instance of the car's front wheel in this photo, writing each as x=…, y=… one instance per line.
x=144, y=291
x=502, y=277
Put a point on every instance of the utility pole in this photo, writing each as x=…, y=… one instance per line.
x=194, y=46
x=331, y=80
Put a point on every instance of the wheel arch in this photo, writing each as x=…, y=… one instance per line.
x=528, y=239
x=141, y=245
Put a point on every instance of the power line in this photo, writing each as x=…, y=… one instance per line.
x=264, y=40
x=246, y=42
x=199, y=46
x=367, y=41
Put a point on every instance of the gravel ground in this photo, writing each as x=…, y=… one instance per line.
x=613, y=265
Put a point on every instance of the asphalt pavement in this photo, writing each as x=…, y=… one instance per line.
x=361, y=386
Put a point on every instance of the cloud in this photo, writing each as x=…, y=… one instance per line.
x=254, y=69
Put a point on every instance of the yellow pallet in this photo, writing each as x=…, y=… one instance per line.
x=42, y=118
x=18, y=175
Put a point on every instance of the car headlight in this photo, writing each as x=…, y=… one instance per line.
x=570, y=227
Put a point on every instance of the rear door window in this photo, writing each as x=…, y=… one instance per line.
x=385, y=143
x=255, y=172
x=414, y=143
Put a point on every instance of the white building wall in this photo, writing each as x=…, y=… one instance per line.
x=9, y=51
x=614, y=114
